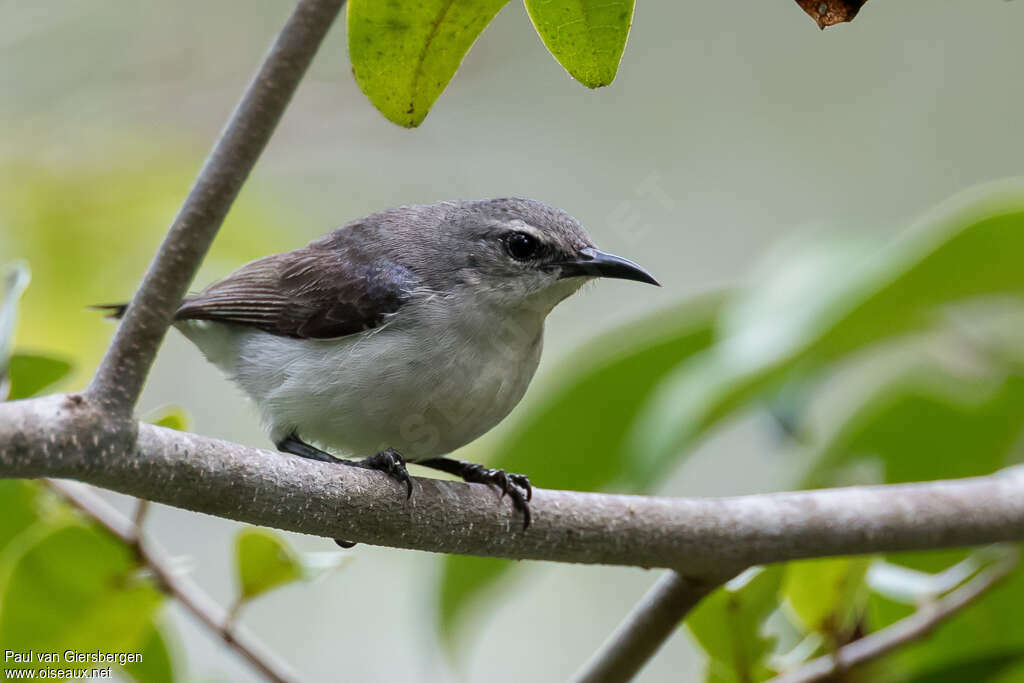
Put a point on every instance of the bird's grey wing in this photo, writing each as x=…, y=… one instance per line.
x=309, y=293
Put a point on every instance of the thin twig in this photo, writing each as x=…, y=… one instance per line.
x=916, y=626
x=54, y=437
x=645, y=629
x=188, y=594
x=119, y=378
x=141, y=510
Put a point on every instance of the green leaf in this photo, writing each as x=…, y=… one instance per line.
x=172, y=417
x=30, y=374
x=263, y=561
x=74, y=587
x=156, y=665
x=729, y=626
x=585, y=419
x=828, y=595
x=811, y=314
x=951, y=416
x=587, y=37
x=405, y=53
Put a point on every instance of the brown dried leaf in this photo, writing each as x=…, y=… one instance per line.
x=829, y=12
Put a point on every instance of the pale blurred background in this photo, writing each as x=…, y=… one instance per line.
x=730, y=125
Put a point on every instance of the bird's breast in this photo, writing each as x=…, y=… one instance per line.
x=423, y=387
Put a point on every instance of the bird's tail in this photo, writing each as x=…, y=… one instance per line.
x=113, y=311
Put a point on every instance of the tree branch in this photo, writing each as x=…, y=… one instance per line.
x=917, y=625
x=119, y=378
x=645, y=629
x=65, y=436
x=188, y=594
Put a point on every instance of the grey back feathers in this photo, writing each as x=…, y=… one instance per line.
x=357, y=276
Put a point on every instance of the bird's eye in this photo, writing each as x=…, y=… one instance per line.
x=521, y=246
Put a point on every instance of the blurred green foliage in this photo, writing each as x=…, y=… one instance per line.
x=814, y=314
x=729, y=626
x=89, y=231
x=73, y=587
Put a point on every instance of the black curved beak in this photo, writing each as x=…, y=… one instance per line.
x=594, y=263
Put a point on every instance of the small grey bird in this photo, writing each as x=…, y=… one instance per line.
x=400, y=336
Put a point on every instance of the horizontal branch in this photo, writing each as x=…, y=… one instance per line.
x=67, y=437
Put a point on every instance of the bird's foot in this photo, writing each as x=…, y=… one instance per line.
x=515, y=486
x=391, y=463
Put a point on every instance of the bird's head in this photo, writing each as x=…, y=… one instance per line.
x=520, y=252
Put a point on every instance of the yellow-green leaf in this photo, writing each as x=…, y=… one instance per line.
x=172, y=417
x=405, y=53
x=828, y=595
x=587, y=37
x=29, y=374
x=156, y=665
x=263, y=561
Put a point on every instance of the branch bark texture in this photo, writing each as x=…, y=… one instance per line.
x=119, y=379
x=68, y=437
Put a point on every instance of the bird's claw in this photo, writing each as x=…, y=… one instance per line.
x=515, y=486
x=391, y=463
x=523, y=482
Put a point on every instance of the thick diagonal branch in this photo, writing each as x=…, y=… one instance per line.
x=65, y=436
x=656, y=617
x=119, y=378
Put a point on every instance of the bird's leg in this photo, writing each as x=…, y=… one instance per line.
x=296, y=446
x=387, y=461
x=517, y=486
